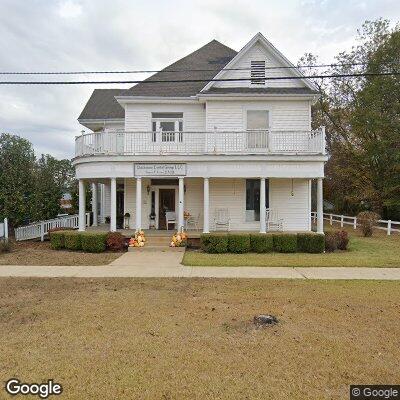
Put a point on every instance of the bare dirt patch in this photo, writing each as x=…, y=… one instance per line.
x=195, y=338
x=40, y=253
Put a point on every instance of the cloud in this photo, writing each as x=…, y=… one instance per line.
x=69, y=9
x=71, y=35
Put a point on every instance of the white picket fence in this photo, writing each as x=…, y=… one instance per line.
x=387, y=225
x=40, y=229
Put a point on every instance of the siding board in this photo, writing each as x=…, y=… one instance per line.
x=284, y=115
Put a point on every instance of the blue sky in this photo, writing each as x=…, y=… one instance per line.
x=67, y=35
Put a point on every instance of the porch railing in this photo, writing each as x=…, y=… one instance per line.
x=206, y=142
x=40, y=229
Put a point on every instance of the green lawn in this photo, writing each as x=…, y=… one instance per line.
x=379, y=250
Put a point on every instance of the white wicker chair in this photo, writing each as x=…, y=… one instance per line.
x=274, y=223
x=170, y=218
x=222, y=220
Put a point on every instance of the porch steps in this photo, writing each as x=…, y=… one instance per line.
x=156, y=249
x=156, y=243
x=158, y=240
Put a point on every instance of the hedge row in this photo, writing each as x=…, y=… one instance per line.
x=308, y=242
x=92, y=242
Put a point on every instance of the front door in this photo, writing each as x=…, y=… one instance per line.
x=166, y=203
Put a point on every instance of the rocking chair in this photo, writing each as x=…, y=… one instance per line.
x=222, y=220
x=274, y=223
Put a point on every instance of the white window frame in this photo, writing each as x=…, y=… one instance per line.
x=257, y=107
x=264, y=142
x=167, y=135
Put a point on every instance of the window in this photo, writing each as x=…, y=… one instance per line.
x=257, y=72
x=253, y=199
x=257, y=119
x=168, y=123
x=257, y=125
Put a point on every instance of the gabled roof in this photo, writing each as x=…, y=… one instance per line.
x=202, y=64
x=209, y=59
x=260, y=38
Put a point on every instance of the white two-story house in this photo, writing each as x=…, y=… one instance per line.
x=215, y=133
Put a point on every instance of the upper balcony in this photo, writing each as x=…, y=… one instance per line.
x=201, y=143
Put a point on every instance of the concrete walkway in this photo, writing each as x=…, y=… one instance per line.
x=167, y=264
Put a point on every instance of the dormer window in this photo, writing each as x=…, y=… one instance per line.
x=257, y=72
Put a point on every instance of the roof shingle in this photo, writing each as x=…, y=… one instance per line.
x=203, y=64
x=102, y=105
x=210, y=59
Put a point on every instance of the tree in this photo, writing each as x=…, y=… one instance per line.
x=30, y=189
x=17, y=164
x=361, y=116
x=375, y=122
x=52, y=178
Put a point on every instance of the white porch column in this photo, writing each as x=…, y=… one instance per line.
x=138, y=204
x=82, y=206
x=102, y=205
x=94, y=204
x=263, y=227
x=181, y=205
x=206, y=202
x=113, y=202
x=320, y=207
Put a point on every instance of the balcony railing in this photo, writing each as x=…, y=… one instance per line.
x=196, y=143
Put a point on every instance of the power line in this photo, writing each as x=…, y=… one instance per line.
x=274, y=78
x=175, y=70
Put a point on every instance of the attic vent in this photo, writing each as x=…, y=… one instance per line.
x=258, y=72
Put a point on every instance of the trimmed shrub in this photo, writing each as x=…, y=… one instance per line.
x=342, y=238
x=214, y=243
x=367, y=220
x=73, y=240
x=331, y=241
x=239, y=243
x=93, y=242
x=61, y=228
x=310, y=242
x=261, y=242
x=115, y=241
x=285, y=242
x=57, y=240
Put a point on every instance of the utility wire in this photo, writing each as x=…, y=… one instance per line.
x=274, y=78
x=176, y=70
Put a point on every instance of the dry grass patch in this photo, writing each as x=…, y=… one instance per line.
x=40, y=253
x=379, y=250
x=193, y=339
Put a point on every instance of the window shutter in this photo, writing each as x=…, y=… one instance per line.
x=257, y=72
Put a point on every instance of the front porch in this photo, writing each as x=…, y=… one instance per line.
x=193, y=204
